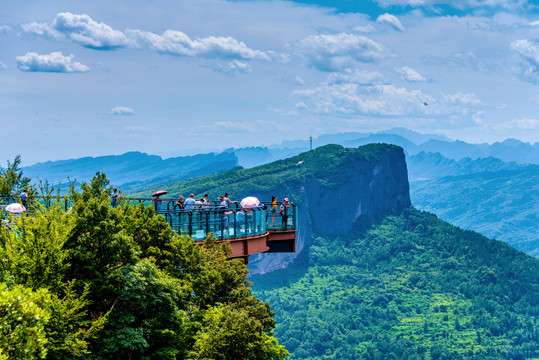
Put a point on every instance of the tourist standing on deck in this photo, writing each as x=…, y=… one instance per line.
x=114, y=202
x=228, y=201
x=190, y=203
x=23, y=196
x=273, y=209
x=284, y=211
x=180, y=203
x=205, y=202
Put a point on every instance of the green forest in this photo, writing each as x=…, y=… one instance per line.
x=407, y=287
x=98, y=282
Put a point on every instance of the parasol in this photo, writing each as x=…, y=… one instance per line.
x=15, y=208
x=250, y=202
x=160, y=192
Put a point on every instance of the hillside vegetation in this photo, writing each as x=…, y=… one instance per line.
x=409, y=287
x=99, y=282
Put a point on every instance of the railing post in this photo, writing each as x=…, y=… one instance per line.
x=190, y=214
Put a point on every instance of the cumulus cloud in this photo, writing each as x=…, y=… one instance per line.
x=81, y=29
x=410, y=74
x=522, y=124
x=89, y=33
x=390, y=20
x=340, y=51
x=457, y=4
x=41, y=29
x=177, y=43
x=527, y=124
x=122, y=110
x=85, y=31
x=528, y=68
x=53, y=62
x=355, y=77
x=386, y=100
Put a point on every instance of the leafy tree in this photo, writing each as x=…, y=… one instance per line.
x=12, y=180
x=22, y=323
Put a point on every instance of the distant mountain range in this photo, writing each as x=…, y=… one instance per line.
x=131, y=169
x=475, y=186
x=411, y=141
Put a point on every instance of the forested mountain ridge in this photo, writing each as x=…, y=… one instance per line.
x=331, y=181
x=407, y=287
x=131, y=167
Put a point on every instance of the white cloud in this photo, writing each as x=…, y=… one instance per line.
x=122, y=110
x=390, y=20
x=41, y=29
x=410, y=74
x=85, y=31
x=458, y=4
x=53, y=62
x=527, y=124
x=340, y=51
x=522, y=124
x=232, y=67
x=527, y=49
x=177, y=43
x=528, y=68
x=386, y=100
x=89, y=33
x=356, y=77
x=4, y=28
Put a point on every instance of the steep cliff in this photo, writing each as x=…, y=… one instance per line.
x=334, y=187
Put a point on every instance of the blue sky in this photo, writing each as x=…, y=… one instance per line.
x=162, y=76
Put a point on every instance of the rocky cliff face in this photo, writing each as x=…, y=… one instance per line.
x=342, y=186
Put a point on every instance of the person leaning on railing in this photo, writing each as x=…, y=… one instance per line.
x=284, y=211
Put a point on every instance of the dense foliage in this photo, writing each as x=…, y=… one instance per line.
x=99, y=282
x=409, y=287
x=12, y=180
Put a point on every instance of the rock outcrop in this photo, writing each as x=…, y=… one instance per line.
x=334, y=187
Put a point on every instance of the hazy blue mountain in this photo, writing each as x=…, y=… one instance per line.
x=427, y=165
x=509, y=150
x=249, y=157
x=500, y=204
x=413, y=142
x=393, y=139
x=130, y=167
x=414, y=136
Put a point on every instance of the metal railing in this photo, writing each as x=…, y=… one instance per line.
x=197, y=220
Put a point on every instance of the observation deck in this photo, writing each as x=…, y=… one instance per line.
x=248, y=230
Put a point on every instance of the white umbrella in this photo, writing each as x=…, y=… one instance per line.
x=15, y=208
x=249, y=202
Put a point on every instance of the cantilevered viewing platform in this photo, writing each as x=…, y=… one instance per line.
x=249, y=231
